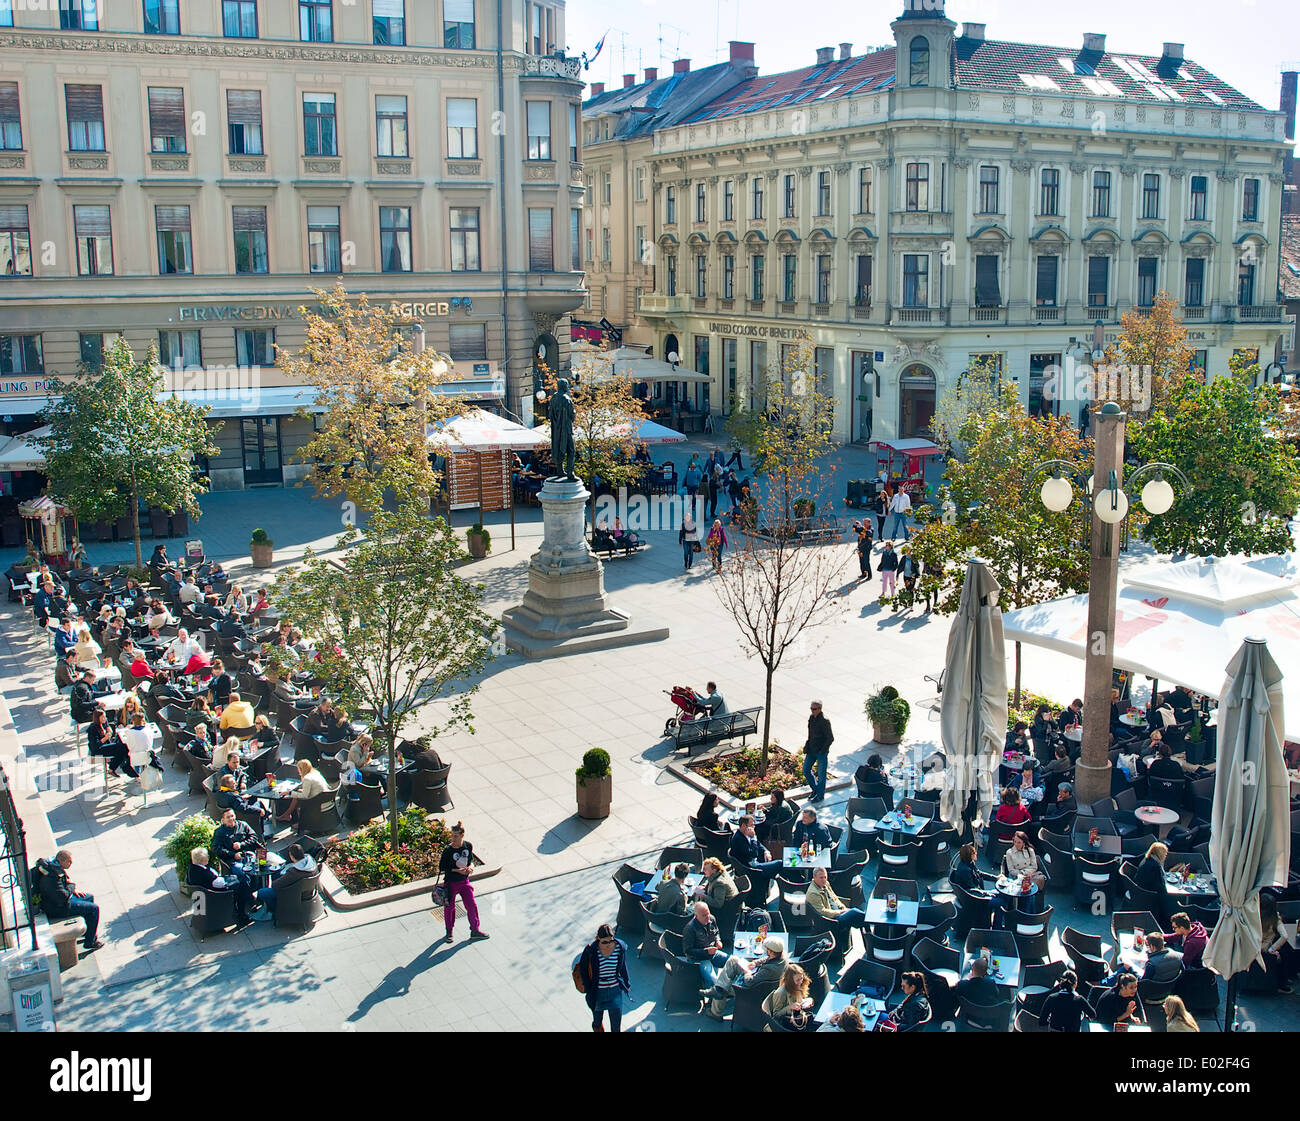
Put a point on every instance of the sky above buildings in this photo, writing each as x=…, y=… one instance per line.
x=1247, y=43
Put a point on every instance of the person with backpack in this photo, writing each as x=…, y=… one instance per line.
x=601, y=976
x=60, y=898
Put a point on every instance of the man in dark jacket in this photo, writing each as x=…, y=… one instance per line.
x=811, y=830
x=83, y=698
x=702, y=944
x=747, y=850
x=60, y=898
x=66, y=672
x=1163, y=964
x=816, y=752
x=979, y=987
x=232, y=839
x=300, y=867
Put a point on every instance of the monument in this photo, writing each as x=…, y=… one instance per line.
x=566, y=610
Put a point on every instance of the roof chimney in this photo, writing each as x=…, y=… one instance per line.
x=741, y=52
x=825, y=55
x=651, y=73
x=1094, y=42
x=629, y=80
x=846, y=51
x=973, y=31
x=682, y=66
x=597, y=88
x=1173, y=52
x=1290, y=80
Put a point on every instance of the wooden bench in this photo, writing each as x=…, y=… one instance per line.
x=696, y=736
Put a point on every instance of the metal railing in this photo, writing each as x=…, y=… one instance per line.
x=15, y=888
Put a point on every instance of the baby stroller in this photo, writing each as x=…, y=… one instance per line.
x=690, y=706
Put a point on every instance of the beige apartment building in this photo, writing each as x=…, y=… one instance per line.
x=187, y=174
x=950, y=197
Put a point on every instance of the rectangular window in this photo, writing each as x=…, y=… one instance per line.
x=1146, y=293
x=1101, y=194
x=728, y=276
x=1250, y=200
x=462, y=128
x=11, y=129
x=1200, y=361
x=591, y=245
x=606, y=188
x=862, y=266
x=458, y=24
x=701, y=276
x=315, y=21
x=6, y=13
x=324, y=239
x=789, y=278
x=701, y=203
x=1049, y=192
x=244, y=122
x=1199, y=202
x=91, y=345
x=823, y=278
x=1245, y=285
x=988, y=291
x=823, y=368
x=250, y=230
x=728, y=201
x=388, y=18
x=756, y=198
x=162, y=17
x=15, y=242
x=541, y=247
x=916, y=280
x=918, y=186
x=21, y=354
x=166, y=119
x=175, y=248
x=823, y=193
x=320, y=127
x=638, y=183
x=606, y=245
x=539, y=130
x=864, y=190
x=180, y=350
x=787, y=211
x=989, y=190
x=670, y=206
x=464, y=239
x=395, y=239
x=85, y=117
x=540, y=29
x=1045, y=286
x=670, y=268
x=1194, y=283
x=574, y=133
x=575, y=239
x=78, y=15
x=390, y=125
x=92, y=226
x=239, y=19
x=254, y=348
x=1098, y=281
x=1150, y=196
x=468, y=342
x=757, y=263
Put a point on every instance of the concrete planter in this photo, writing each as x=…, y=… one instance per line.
x=885, y=733
x=262, y=555
x=594, y=797
x=477, y=543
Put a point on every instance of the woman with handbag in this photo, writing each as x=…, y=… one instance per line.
x=717, y=542
x=601, y=976
x=456, y=865
x=689, y=539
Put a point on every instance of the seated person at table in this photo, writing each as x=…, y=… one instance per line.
x=1060, y=761
x=229, y=798
x=87, y=649
x=1189, y=938
x=748, y=852
x=1072, y=716
x=232, y=839
x=185, y=652
x=1163, y=964
x=670, y=896
x=811, y=831
x=1149, y=875
x=1064, y=805
x=128, y=654
x=158, y=616
x=200, y=746
x=1018, y=739
x=1165, y=765
x=978, y=987
x=702, y=944
x=313, y=786
x=1020, y=860
x=139, y=739
x=707, y=814
x=872, y=781
x=189, y=592
x=776, y=818
x=1064, y=1009
x=285, y=689
x=850, y=1019
x=263, y=732
x=140, y=667
x=1011, y=812
x=1180, y=700
x=322, y=720
x=915, y=1006
x=361, y=750
x=164, y=689
x=82, y=698
x=101, y=739
x=738, y=973
x=261, y=605
x=789, y=1003
x=200, y=712
x=231, y=744
x=238, y=714
x=1120, y=1005
x=821, y=897
x=65, y=638
x=66, y=672
x=1030, y=792
x=43, y=603
x=300, y=866
x=232, y=627
x=234, y=768
x=965, y=872
x=203, y=876
x=717, y=886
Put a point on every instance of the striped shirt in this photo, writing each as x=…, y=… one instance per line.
x=607, y=968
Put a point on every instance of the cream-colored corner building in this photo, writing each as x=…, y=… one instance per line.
x=948, y=197
x=187, y=173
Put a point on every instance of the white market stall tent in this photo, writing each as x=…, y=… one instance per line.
x=479, y=446
x=1183, y=621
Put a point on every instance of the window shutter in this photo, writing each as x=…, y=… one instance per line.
x=250, y=219
x=244, y=107
x=462, y=112
x=8, y=101
x=85, y=103
x=540, y=240
x=458, y=11
x=389, y=9
x=172, y=219
x=13, y=217
x=91, y=221
x=166, y=111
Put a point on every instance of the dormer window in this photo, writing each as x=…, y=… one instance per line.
x=919, y=71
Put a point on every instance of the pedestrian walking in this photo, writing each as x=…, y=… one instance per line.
x=456, y=865
x=816, y=752
x=712, y=487
x=882, y=509
x=910, y=568
x=717, y=542
x=888, y=570
x=601, y=976
x=689, y=539
x=901, y=507
x=864, y=549
x=691, y=480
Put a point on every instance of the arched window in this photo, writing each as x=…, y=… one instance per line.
x=920, y=62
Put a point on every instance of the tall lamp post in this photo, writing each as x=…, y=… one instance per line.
x=1104, y=493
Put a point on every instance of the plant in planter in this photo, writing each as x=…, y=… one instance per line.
x=261, y=547
x=479, y=541
x=888, y=713
x=195, y=832
x=595, y=785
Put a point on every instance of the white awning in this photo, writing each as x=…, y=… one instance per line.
x=481, y=431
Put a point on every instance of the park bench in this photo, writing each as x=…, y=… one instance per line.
x=695, y=736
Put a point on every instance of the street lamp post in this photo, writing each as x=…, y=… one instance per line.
x=1110, y=506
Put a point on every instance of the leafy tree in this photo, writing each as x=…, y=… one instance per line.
x=1245, y=482
x=117, y=440
x=1151, y=345
x=976, y=392
x=395, y=627
x=375, y=395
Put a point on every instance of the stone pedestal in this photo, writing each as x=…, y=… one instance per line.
x=565, y=609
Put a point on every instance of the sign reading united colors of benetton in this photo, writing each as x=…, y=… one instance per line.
x=758, y=330
x=199, y=312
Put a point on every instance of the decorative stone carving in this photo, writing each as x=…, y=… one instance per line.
x=1022, y=166
x=1177, y=172
x=393, y=167
x=246, y=164
x=539, y=171
x=1035, y=104
x=961, y=163
x=88, y=163
x=13, y=161
x=1241, y=122
x=843, y=168
x=805, y=172
x=875, y=106
x=169, y=163
x=1276, y=177
x=1128, y=169
x=322, y=167
x=1189, y=118
x=469, y=168
x=1196, y=250
x=886, y=163
x=1118, y=112
x=972, y=101
x=1223, y=175
x=771, y=175
x=1009, y=103
x=713, y=180
x=1067, y=110
x=1216, y=120
x=1078, y=167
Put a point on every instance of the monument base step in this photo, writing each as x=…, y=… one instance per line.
x=536, y=638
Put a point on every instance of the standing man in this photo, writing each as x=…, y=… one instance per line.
x=901, y=507
x=864, y=549
x=816, y=752
x=456, y=865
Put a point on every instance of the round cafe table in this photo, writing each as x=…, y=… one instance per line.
x=1074, y=735
x=1157, y=816
x=1131, y=721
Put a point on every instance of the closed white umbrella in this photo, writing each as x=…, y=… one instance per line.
x=973, y=712
x=1250, y=832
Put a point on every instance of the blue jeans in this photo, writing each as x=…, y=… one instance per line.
x=688, y=553
x=266, y=896
x=854, y=916
x=607, y=1000
x=85, y=907
x=898, y=524
x=709, y=968
x=814, y=773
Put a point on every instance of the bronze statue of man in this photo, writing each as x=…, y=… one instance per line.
x=560, y=411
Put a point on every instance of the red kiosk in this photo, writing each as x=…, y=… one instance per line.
x=905, y=462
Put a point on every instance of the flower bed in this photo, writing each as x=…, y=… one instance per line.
x=1029, y=703
x=367, y=861
x=737, y=772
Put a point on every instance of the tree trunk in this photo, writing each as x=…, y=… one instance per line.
x=135, y=522
x=1015, y=700
x=767, y=722
x=391, y=735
